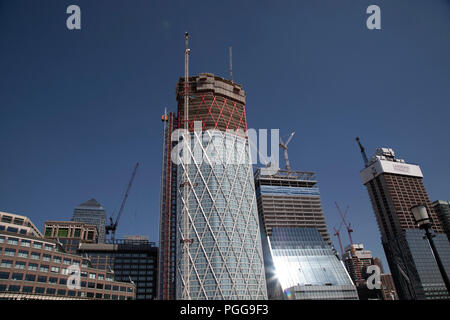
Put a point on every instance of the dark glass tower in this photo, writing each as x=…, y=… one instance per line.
x=92, y=212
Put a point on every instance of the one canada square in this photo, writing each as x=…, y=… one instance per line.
x=210, y=245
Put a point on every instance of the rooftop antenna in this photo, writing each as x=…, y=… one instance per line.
x=231, y=63
x=284, y=147
x=363, y=152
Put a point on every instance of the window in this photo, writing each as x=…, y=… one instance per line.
x=122, y=289
x=64, y=271
x=63, y=281
x=98, y=295
x=35, y=256
x=101, y=277
x=55, y=269
x=90, y=235
x=99, y=286
x=37, y=245
x=6, y=264
x=48, y=232
x=91, y=275
x=39, y=290
x=114, y=297
x=77, y=233
x=20, y=265
x=48, y=247
x=107, y=296
x=42, y=279
x=83, y=274
x=22, y=254
x=27, y=289
x=13, y=241
x=23, y=231
x=10, y=252
x=2, y=287
x=14, y=288
x=30, y=277
x=76, y=262
x=4, y=275
x=43, y=268
x=115, y=288
x=46, y=257
x=61, y=292
x=17, y=276
x=71, y=293
x=32, y=266
x=51, y=291
x=66, y=261
x=2, y=239
x=56, y=259
x=84, y=264
x=63, y=232
x=52, y=280
x=7, y=219
x=25, y=243
x=107, y=287
x=91, y=285
x=90, y=294
x=18, y=221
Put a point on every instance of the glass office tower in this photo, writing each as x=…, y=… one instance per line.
x=306, y=267
x=299, y=260
x=219, y=254
x=92, y=212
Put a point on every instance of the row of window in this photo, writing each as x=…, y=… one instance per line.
x=61, y=281
x=28, y=243
x=59, y=292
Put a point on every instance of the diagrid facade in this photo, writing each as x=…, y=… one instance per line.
x=219, y=254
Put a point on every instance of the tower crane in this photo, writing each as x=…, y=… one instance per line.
x=113, y=224
x=349, y=231
x=284, y=146
x=337, y=233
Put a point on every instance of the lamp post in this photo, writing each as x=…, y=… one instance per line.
x=420, y=214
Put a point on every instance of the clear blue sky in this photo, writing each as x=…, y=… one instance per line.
x=79, y=108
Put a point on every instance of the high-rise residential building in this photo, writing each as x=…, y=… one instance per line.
x=71, y=233
x=357, y=259
x=216, y=232
x=300, y=262
x=92, y=212
x=442, y=209
x=394, y=187
x=35, y=268
x=132, y=259
x=168, y=214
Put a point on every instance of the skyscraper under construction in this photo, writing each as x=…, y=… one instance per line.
x=394, y=187
x=210, y=244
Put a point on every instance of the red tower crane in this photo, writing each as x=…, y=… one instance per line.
x=349, y=231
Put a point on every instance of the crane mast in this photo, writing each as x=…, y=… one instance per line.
x=113, y=225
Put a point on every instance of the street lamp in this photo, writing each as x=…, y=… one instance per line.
x=422, y=218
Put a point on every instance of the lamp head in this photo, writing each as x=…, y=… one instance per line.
x=421, y=216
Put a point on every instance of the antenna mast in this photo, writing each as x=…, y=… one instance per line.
x=231, y=63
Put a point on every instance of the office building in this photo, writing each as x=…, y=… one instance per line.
x=394, y=187
x=442, y=209
x=71, y=233
x=300, y=262
x=218, y=244
x=34, y=268
x=92, y=212
x=15, y=223
x=131, y=259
